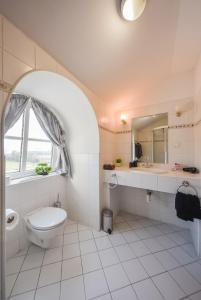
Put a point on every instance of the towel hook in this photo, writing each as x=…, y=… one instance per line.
x=186, y=184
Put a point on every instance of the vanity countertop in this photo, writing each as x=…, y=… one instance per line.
x=156, y=171
x=153, y=178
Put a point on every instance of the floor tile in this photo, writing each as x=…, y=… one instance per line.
x=189, y=248
x=165, y=242
x=22, y=252
x=85, y=235
x=56, y=242
x=145, y=247
x=103, y=243
x=50, y=274
x=134, y=270
x=71, y=238
x=26, y=281
x=146, y=290
x=139, y=248
x=166, y=228
x=177, y=238
x=98, y=234
x=33, y=261
x=33, y=249
x=130, y=236
x=126, y=293
x=142, y=233
x=70, y=251
x=168, y=287
x=151, y=265
x=180, y=255
x=25, y=296
x=186, y=234
x=70, y=228
x=87, y=247
x=154, y=231
x=108, y=257
x=50, y=292
x=118, y=219
x=95, y=284
x=105, y=297
x=73, y=289
x=116, y=277
x=52, y=255
x=117, y=239
x=10, y=280
x=69, y=222
x=14, y=264
x=71, y=268
x=91, y=262
x=81, y=227
x=166, y=260
x=195, y=270
x=153, y=245
x=188, y=284
x=122, y=227
x=124, y=252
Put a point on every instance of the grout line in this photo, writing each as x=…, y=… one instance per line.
x=85, y=295
x=18, y=274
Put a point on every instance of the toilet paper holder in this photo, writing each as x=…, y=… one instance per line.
x=10, y=219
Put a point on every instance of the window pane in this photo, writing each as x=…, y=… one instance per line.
x=12, y=150
x=16, y=130
x=35, y=130
x=38, y=152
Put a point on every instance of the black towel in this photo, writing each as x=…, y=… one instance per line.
x=138, y=150
x=187, y=206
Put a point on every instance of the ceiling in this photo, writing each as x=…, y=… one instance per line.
x=118, y=60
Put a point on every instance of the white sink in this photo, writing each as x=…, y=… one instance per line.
x=150, y=170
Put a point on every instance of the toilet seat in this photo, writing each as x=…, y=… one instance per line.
x=46, y=218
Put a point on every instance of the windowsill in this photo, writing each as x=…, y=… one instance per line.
x=31, y=178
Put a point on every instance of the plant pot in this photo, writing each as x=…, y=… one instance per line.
x=118, y=164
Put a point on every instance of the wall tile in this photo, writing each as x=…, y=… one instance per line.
x=13, y=68
x=1, y=64
x=44, y=61
x=1, y=38
x=17, y=44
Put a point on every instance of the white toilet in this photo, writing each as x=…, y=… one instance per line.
x=44, y=224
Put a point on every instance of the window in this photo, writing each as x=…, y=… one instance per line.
x=26, y=145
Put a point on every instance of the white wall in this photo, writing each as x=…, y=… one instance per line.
x=197, y=115
x=27, y=196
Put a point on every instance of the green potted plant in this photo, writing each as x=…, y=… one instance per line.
x=42, y=169
x=118, y=162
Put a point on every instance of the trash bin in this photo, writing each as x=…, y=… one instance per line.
x=107, y=216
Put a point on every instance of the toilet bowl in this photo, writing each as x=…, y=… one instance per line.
x=44, y=224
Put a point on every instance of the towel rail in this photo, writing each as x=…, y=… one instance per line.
x=186, y=184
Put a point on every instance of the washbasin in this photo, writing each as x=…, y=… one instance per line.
x=150, y=170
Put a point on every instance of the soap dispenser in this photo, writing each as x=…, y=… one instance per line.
x=57, y=203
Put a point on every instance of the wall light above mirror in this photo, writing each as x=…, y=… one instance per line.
x=150, y=139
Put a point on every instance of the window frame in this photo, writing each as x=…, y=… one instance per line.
x=24, y=147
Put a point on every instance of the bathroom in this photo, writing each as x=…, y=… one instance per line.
x=100, y=82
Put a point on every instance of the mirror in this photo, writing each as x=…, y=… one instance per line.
x=150, y=139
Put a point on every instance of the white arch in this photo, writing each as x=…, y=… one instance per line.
x=79, y=122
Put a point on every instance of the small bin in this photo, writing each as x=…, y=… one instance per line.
x=107, y=220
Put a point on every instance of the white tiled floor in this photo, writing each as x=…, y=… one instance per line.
x=142, y=260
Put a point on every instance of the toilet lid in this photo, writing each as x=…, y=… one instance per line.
x=46, y=217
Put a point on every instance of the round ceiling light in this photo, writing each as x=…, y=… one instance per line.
x=132, y=9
